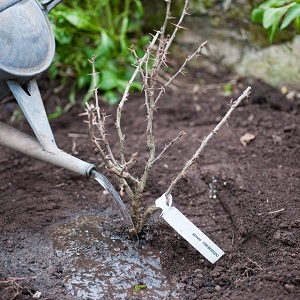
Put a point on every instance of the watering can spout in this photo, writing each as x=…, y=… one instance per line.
x=17, y=140
x=44, y=147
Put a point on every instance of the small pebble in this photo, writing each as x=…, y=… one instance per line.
x=289, y=287
x=37, y=295
x=218, y=288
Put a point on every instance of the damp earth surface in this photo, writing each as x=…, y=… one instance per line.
x=62, y=236
x=101, y=264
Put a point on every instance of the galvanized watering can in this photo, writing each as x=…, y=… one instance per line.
x=26, y=49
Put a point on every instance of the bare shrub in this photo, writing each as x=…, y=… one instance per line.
x=148, y=67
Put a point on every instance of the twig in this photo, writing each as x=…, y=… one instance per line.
x=181, y=69
x=78, y=135
x=98, y=119
x=125, y=96
x=255, y=263
x=15, y=287
x=144, y=218
x=120, y=172
x=11, y=279
x=168, y=146
x=271, y=212
x=205, y=141
x=276, y=211
x=178, y=25
x=151, y=100
x=93, y=138
x=95, y=89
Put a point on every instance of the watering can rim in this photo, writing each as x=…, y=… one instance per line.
x=46, y=5
x=8, y=3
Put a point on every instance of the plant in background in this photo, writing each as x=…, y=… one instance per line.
x=276, y=15
x=148, y=67
x=104, y=28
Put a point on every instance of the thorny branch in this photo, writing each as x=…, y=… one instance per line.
x=148, y=68
x=180, y=71
x=138, y=70
x=196, y=155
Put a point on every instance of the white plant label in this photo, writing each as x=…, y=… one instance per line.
x=188, y=230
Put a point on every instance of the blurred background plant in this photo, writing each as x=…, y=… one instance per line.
x=277, y=15
x=105, y=28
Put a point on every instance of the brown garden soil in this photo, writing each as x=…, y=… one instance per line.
x=245, y=198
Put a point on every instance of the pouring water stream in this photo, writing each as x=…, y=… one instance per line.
x=114, y=194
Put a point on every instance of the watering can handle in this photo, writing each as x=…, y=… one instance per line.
x=33, y=108
x=48, y=5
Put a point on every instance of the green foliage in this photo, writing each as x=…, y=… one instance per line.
x=276, y=15
x=139, y=287
x=58, y=112
x=96, y=27
x=227, y=89
x=208, y=3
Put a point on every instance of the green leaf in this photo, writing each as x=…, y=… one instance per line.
x=273, y=3
x=62, y=37
x=109, y=80
x=80, y=20
x=111, y=97
x=72, y=95
x=227, y=88
x=106, y=44
x=257, y=15
x=139, y=8
x=136, y=86
x=272, y=16
x=139, y=287
x=58, y=112
x=291, y=15
x=297, y=24
x=272, y=32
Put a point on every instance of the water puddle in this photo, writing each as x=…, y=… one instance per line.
x=100, y=265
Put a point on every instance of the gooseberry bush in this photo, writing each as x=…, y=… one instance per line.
x=148, y=67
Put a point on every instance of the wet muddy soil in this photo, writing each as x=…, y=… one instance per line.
x=61, y=236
